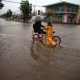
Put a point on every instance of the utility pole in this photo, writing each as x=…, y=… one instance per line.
x=34, y=8
x=34, y=12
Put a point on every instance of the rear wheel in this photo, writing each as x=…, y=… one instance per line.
x=57, y=39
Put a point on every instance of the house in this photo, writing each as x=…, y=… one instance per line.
x=64, y=12
x=78, y=16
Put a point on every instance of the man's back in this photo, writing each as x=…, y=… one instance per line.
x=37, y=26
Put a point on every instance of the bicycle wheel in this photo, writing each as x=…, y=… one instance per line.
x=57, y=39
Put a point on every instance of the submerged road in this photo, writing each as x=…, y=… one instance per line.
x=20, y=59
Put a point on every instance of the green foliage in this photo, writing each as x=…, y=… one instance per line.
x=26, y=9
x=9, y=14
x=1, y=4
x=3, y=15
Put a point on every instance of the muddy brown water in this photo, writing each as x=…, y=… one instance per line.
x=21, y=59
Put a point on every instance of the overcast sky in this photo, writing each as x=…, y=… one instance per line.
x=15, y=6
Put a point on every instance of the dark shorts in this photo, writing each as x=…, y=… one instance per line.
x=40, y=31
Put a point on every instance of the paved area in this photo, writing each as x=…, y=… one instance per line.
x=20, y=59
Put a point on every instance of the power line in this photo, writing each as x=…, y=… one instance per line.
x=10, y=1
x=18, y=3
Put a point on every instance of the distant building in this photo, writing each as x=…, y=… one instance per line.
x=78, y=16
x=64, y=12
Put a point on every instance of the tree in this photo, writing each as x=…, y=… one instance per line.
x=26, y=9
x=9, y=14
x=1, y=5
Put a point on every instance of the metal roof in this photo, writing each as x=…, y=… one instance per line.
x=63, y=2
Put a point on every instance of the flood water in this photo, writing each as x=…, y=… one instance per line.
x=21, y=59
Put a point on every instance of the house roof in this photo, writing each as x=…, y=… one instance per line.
x=63, y=2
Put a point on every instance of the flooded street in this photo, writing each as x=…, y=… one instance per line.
x=20, y=59
x=69, y=35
